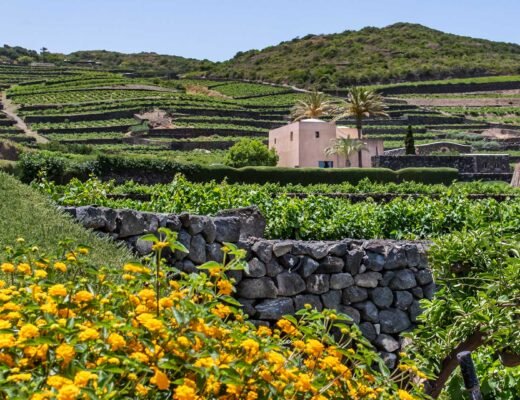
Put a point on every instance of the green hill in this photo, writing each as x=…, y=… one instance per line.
x=399, y=52
x=151, y=64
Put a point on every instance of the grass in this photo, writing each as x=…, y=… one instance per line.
x=28, y=214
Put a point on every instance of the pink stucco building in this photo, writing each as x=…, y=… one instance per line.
x=303, y=144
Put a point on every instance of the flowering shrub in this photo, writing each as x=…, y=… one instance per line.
x=72, y=330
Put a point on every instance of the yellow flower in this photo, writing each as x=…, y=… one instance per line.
x=160, y=379
x=5, y=324
x=147, y=294
x=183, y=341
x=221, y=311
x=264, y=331
x=60, y=266
x=314, y=348
x=225, y=287
x=19, y=378
x=29, y=331
x=404, y=395
x=251, y=347
x=24, y=268
x=68, y=392
x=116, y=341
x=57, y=382
x=83, y=377
x=66, y=353
x=40, y=273
x=160, y=246
x=7, y=267
x=42, y=396
x=58, y=290
x=287, y=327
x=7, y=360
x=88, y=334
x=141, y=389
x=184, y=392
x=141, y=357
x=83, y=250
x=83, y=296
x=150, y=323
x=7, y=340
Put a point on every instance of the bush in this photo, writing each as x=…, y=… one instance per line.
x=428, y=175
x=54, y=166
x=187, y=338
x=8, y=167
x=250, y=152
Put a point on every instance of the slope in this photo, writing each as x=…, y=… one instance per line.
x=398, y=52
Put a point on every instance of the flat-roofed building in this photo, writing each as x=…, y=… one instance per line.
x=303, y=144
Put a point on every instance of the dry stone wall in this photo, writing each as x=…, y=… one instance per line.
x=378, y=283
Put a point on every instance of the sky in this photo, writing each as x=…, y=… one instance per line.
x=218, y=29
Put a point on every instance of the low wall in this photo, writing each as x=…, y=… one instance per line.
x=466, y=163
x=425, y=149
x=378, y=283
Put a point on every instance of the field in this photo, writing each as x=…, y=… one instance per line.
x=91, y=122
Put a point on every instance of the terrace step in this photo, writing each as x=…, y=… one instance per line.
x=199, y=132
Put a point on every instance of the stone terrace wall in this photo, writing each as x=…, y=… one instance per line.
x=378, y=283
x=466, y=163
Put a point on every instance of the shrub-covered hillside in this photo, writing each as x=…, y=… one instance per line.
x=401, y=51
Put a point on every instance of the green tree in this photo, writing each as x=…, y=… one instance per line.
x=250, y=152
x=409, y=142
x=24, y=60
x=345, y=147
x=361, y=103
x=314, y=105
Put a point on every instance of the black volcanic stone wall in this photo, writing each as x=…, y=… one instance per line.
x=378, y=283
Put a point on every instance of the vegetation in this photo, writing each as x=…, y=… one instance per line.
x=476, y=308
x=409, y=142
x=371, y=55
x=26, y=213
x=313, y=217
x=250, y=152
x=345, y=147
x=184, y=339
x=314, y=105
x=361, y=103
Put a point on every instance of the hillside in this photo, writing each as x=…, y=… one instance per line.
x=395, y=53
x=145, y=63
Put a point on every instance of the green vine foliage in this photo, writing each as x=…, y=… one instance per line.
x=478, y=273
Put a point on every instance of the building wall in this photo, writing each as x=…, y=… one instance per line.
x=307, y=150
x=312, y=148
x=287, y=149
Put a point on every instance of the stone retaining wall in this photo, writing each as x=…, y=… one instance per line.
x=378, y=283
x=465, y=163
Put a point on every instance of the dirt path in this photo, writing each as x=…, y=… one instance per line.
x=450, y=102
x=10, y=110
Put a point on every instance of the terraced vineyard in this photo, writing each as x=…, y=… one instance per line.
x=82, y=106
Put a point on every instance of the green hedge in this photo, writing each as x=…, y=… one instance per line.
x=153, y=170
x=428, y=175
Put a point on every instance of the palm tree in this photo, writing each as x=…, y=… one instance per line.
x=314, y=105
x=361, y=103
x=345, y=147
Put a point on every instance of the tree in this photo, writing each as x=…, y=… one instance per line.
x=409, y=142
x=250, y=152
x=314, y=105
x=24, y=60
x=345, y=147
x=361, y=103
